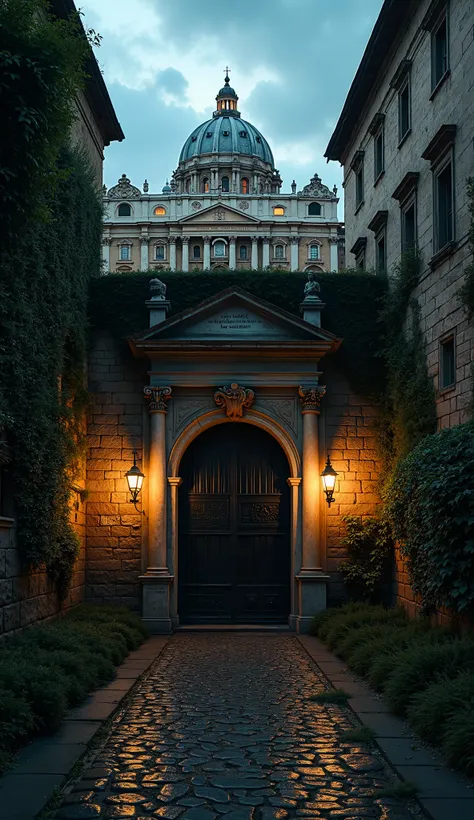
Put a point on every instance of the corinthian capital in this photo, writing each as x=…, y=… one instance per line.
x=158, y=398
x=310, y=398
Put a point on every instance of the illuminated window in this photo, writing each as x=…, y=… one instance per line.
x=196, y=252
x=314, y=209
x=314, y=252
x=225, y=184
x=244, y=185
x=219, y=248
x=278, y=211
x=159, y=211
x=205, y=186
x=159, y=252
x=124, y=210
x=243, y=252
x=125, y=253
x=279, y=252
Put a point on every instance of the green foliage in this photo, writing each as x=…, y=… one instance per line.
x=43, y=304
x=336, y=630
x=408, y=409
x=458, y=740
x=368, y=544
x=117, y=304
x=51, y=220
x=431, y=710
x=418, y=665
x=467, y=290
x=361, y=734
x=401, y=791
x=41, y=69
x=430, y=504
x=383, y=640
x=331, y=696
x=49, y=668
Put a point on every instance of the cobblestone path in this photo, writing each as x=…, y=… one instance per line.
x=223, y=726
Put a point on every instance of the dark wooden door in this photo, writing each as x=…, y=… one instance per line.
x=234, y=544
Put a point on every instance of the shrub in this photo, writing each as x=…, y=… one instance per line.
x=338, y=628
x=418, y=666
x=368, y=543
x=430, y=504
x=431, y=710
x=51, y=667
x=458, y=740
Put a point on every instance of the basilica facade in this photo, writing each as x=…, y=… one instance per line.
x=223, y=209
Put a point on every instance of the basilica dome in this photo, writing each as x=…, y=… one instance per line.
x=227, y=133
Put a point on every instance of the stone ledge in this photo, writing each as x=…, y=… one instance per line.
x=442, y=793
x=44, y=764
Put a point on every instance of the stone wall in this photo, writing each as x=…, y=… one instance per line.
x=115, y=430
x=348, y=435
x=30, y=598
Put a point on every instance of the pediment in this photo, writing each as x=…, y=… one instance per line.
x=219, y=215
x=234, y=316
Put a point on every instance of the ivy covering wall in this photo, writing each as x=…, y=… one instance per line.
x=51, y=219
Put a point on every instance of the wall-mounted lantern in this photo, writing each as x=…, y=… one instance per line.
x=329, y=476
x=134, y=478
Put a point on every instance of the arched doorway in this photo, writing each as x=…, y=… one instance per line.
x=234, y=531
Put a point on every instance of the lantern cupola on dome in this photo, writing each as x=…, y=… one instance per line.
x=227, y=99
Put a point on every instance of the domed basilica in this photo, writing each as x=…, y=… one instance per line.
x=222, y=209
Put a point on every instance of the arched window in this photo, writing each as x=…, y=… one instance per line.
x=159, y=252
x=219, y=248
x=244, y=185
x=225, y=184
x=124, y=210
x=314, y=209
x=243, y=252
x=125, y=253
x=278, y=210
x=188, y=186
x=196, y=252
x=205, y=186
x=159, y=211
x=279, y=252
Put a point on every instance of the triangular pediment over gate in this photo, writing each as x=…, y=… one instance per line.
x=235, y=318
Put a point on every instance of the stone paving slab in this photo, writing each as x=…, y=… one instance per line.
x=405, y=751
x=45, y=757
x=440, y=809
x=224, y=726
x=22, y=796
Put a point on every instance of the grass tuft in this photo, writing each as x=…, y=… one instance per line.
x=401, y=791
x=331, y=696
x=360, y=734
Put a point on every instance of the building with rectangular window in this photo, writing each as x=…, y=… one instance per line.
x=405, y=140
x=223, y=209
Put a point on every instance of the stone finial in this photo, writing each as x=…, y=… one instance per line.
x=145, y=187
x=233, y=399
x=334, y=190
x=104, y=190
x=158, y=398
x=157, y=289
x=310, y=398
x=293, y=187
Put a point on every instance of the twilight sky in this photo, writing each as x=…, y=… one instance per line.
x=292, y=62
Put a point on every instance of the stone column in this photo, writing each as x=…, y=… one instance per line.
x=232, y=257
x=266, y=252
x=157, y=579
x=106, y=243
x=334, y=261
x=294, y=252
x=185, y=252
x=311, y=578
x=294, y=483
x=174, y=482
x=237, y=175
x=144, y=259
x=207, y=253
x=234, y=181
x=254, y=256
x=172, y=248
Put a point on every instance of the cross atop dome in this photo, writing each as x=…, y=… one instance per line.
x=227, y=78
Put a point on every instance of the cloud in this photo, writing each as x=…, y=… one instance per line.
x=292, y=64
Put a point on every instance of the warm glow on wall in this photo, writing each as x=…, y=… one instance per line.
x=278, y=211
x=159, y=211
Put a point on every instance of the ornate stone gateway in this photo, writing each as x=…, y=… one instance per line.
x=234, y=537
